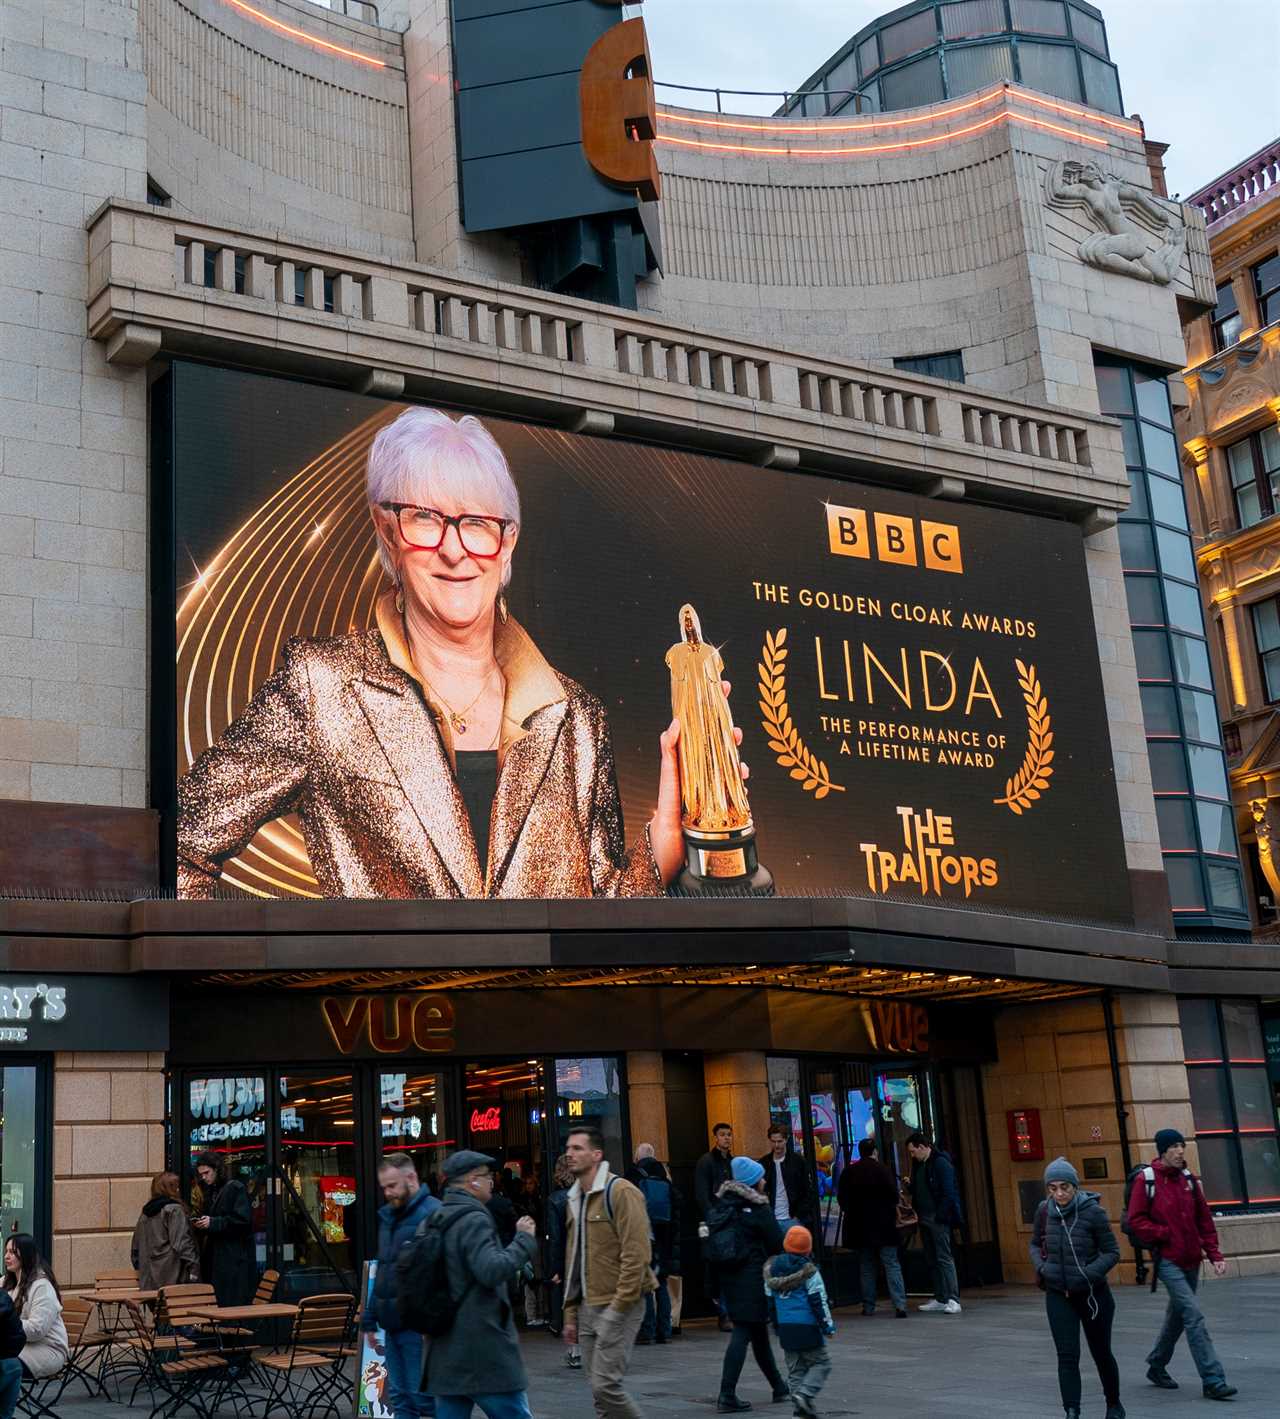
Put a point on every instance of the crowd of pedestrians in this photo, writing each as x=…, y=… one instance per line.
x=453, y=1268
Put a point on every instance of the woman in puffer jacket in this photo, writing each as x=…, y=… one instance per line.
x=38, y=1302
x=1072, y=1249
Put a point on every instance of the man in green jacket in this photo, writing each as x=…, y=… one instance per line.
x=607, y=1272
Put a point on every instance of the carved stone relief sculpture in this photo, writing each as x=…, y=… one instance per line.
x=1121, y=244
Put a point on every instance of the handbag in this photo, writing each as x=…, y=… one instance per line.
x=906, y=1219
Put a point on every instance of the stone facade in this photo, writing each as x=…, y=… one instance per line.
x=1232, y=399
x=108, y=1142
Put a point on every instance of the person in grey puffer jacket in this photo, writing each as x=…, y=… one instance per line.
x=1072, y=1249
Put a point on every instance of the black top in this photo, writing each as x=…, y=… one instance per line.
x=478, y=784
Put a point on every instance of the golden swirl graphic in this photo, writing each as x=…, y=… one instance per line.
x=304, y=563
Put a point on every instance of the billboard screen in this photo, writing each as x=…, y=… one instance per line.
x=916, y=682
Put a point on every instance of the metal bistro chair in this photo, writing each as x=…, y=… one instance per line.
x=32, y=1397
x=310, y=1377
x=266, y=1292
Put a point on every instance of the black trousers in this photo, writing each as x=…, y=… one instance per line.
x=1067, y=1314
x=754, y=1334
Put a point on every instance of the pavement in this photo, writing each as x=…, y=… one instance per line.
x=994, y=1361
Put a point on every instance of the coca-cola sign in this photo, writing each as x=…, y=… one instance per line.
x=486, y=1120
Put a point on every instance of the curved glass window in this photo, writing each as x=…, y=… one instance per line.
x=1039, y=16
x=913, y=84
x=976, y=65
x=909, y=35
x=1051, y=68
x=1101, y=83
x=970, y=18
x=1088, y=30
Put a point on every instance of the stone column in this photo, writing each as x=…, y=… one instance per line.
x=108, y=1140
x=738, y=1093
x=647, y=1100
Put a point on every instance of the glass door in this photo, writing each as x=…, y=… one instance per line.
x=830, y=1148
x=411, y=1113
x=227, y=1115
x=319, y=1194
x=504, y=1118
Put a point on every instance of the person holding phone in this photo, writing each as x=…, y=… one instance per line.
x=1072, y=1249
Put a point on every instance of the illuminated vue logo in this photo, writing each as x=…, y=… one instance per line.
x=29, y=1002
x=391, y=1024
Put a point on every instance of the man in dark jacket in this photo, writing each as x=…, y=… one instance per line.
x=1168, y=1214
x=408, y=1204
x=477, y=1361
x=228, y=1259
x=713, y=1170
x=868, y=1198
x=663, y=1203
x=12, y=1339
x=937, y=1202
x=786, y=1180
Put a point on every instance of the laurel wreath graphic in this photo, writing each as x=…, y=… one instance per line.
x=1032, y=779
x=784, y=737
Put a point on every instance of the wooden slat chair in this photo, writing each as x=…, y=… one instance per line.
x=129, y=1353
x=120, y=1280
x=266, y=1292
x=181, y=1369
x=310, y=1376
x=175, y=1308
x=87, y=1343
x=35, y=1397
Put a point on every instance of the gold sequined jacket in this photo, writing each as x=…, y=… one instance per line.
x=342, y=736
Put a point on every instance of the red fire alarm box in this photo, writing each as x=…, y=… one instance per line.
x=1026, y=1140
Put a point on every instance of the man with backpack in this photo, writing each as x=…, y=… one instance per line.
x=408, y=1204
x=662, y=1202
x=454, y=1287
x=607, y=1272
x=1168, y=1214
x=713, y=1170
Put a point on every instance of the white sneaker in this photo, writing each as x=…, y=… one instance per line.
x=953, y=1308
x=932, y=1306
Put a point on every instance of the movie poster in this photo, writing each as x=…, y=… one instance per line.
x=916, y=681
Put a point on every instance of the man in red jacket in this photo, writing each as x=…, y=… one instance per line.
x=1169, y=1216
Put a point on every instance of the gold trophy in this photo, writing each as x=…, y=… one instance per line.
x=719, y=836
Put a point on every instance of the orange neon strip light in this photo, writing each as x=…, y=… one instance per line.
x=782, y=150
x=871, y=124
x=273, y=24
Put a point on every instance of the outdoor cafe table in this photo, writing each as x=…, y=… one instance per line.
x=118, y=1297
x=272, y=1310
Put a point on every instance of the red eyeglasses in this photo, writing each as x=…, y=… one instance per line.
x=424, y=528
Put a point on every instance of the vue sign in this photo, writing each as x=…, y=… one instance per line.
x=390, y=1024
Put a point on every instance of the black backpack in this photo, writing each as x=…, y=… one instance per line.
x=422, y=1277
x=727, y=1243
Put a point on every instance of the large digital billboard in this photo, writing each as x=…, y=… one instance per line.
x=915, y=682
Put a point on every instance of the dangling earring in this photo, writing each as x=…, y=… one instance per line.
x=502, y=607
x=399, y=595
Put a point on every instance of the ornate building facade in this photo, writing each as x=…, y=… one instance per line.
x=1228, y=428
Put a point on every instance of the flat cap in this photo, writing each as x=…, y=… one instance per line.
x=457, y=1165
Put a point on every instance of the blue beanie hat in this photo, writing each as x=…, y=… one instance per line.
x=746, y=1170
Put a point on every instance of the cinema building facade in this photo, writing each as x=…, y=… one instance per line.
x=959, y=615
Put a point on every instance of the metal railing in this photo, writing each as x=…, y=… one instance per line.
x=1255, y=178
x=836, y=98
x=364, y=10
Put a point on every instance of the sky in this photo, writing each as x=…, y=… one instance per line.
x=1203, y=74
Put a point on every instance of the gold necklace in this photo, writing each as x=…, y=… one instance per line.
x=458, y=718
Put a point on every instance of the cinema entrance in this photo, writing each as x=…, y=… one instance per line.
x=306, y=1142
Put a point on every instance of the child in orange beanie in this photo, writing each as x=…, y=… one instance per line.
x=802, y=1317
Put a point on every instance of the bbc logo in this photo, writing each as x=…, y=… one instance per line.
x=895, y=539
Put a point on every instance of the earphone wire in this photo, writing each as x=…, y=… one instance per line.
x=1093, y=1303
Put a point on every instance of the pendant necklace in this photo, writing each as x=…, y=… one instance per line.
x=458, y=718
